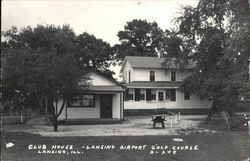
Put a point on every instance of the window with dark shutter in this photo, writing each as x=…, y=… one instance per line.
x=173, y=76
x=152, y=76
x=173, y=94
x=137, y=94
x=148, y=95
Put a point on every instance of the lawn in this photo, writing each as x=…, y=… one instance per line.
x=197, y=142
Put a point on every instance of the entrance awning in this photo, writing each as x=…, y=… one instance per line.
x=102, y=89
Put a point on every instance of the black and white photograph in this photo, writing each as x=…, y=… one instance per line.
x=125, y=80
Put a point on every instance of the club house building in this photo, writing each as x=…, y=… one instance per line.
x=99, y=100
x=150, y=87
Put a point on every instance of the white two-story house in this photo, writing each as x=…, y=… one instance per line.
x=150, y=86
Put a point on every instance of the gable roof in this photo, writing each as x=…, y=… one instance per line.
x=149, y=62
x=106, y=77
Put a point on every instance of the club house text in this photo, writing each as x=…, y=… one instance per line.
x=43, y=146
x=121, y=147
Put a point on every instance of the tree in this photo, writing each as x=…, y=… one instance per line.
x=216, y=34
x=238, y=49
x=41, y=62
x=95, y=53
x=139, y=38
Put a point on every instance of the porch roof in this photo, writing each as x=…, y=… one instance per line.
x=158, y=84
x=103, y=89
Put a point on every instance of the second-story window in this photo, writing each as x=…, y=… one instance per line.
x=152, y=76
x=173, y=76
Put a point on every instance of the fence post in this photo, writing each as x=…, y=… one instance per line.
x=21, y=118
x=171, y=122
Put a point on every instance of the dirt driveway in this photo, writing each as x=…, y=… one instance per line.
x=132, y=126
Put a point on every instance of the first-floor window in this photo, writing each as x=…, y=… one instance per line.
x=150, y=94
x=142, y=94
x=129, y=94
x=85, y=100
x=153, y=95
x=160, y=96
x=168, y=94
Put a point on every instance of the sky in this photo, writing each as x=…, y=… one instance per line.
x=101, y=18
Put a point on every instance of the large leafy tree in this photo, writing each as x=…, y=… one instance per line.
x=216, y=34
x=238, y=49
x=95, y=53
x=139, y=38
x=41, y=62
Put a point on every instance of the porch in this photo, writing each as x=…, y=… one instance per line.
x=91, y=121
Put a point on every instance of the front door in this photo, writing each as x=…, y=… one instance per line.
x=106, y=105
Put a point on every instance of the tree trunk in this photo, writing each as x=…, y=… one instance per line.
x=61, y=109
x=39, y=100
x=56, y=115
x=55, y=123
x=46, y=109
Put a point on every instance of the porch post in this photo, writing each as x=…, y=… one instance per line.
x=66, y=113
x=121, y=105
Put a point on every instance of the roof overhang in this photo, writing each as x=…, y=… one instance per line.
x=161, y=84
x=146, y=87
x=102, y=89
